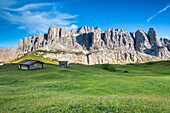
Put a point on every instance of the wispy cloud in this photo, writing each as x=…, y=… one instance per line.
x=31, y=18
x=72, y=26
x=29, y=6
x=164, y=9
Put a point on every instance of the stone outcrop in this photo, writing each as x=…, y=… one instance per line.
x=150, y=44
x=141, y=41
x=98, y=47
x=9, y=53
x=153, y=38
x=68, y=56
x=166, y=43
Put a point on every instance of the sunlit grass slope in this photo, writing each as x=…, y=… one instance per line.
x=36, y=55
x=84, y=88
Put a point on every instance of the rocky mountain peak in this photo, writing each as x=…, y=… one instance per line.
x=85, y=29
x=112, y=46
x=53, y=26
x=73, y=31
x=153, y=38
x=141, y=41
x=123, y=30
x=98, y=29
x=63, y=32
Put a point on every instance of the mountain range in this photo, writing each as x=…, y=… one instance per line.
x=90, y=45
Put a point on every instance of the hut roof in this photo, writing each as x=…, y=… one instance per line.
x=62, y=61
x=29, y=62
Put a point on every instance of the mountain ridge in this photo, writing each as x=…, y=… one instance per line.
x=110, y=46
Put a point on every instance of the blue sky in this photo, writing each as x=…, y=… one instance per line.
x=22, y=18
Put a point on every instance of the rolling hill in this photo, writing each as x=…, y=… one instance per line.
x=86, y=88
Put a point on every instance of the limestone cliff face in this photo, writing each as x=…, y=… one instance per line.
x=166, y=43
x=97, y=46
x=141, y=41
x=32, y=43
x=9, y=53
x=153, y=38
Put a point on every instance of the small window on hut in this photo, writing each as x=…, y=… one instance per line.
x=35, y=65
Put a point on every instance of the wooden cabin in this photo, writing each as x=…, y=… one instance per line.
x=30, y=64
x=63, y=63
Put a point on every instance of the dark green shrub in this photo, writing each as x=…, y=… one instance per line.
x=130, y=64
x=108, y=67
x=105, y=66
x=111, y=68
x=149, y=63
x=54, y=60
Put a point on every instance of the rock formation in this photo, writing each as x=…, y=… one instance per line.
x=97, y=46
x=141, y=41
x=9, y=53
x=153, y=38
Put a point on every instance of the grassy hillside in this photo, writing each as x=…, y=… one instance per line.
x=83, y=88
x=36, y=55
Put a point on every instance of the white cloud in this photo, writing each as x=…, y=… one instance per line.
x=21, y=27
x=37, y=21
x=72, y=26
x=164, y=9
x=29, y=6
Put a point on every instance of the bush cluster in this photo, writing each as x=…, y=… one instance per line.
x=149, y=63
x=108, y=67
x=130, y=64
x=54, y=60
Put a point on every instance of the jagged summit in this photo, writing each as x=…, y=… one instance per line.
x=110, y=46
x=86, y=29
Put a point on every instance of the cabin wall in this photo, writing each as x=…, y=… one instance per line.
x=24, y=67
x=36, y=66
x=63, y=63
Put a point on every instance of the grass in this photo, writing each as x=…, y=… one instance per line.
x=108, y=67
x=86, y=88
x=36, y=55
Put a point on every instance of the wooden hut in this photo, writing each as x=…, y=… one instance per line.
x=30, y=64
x=63, y=63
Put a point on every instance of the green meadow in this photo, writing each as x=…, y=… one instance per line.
x=86, y=88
